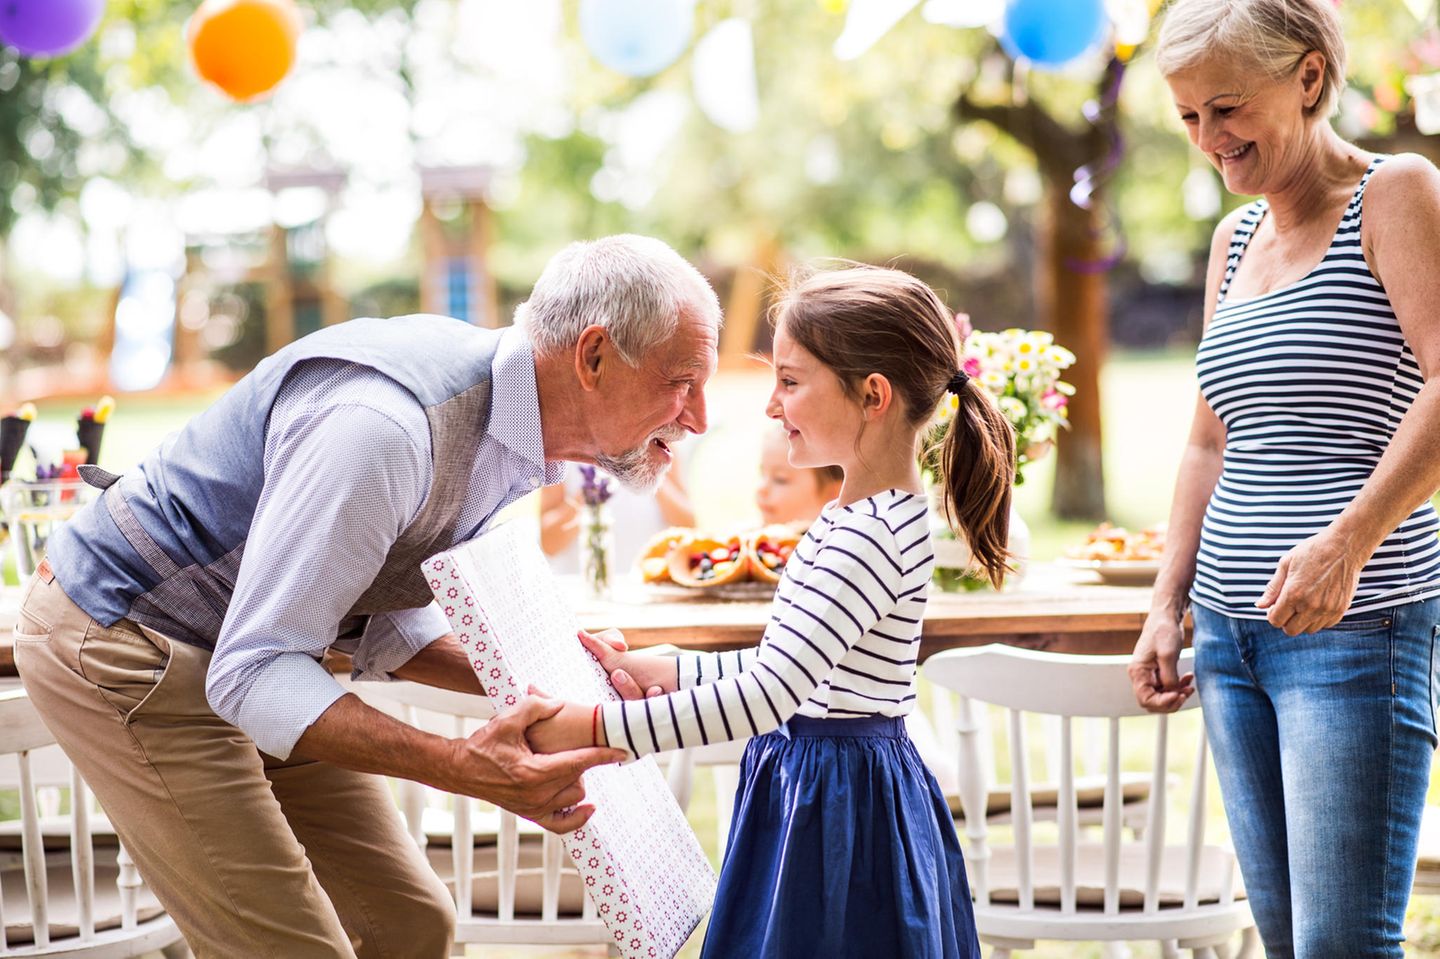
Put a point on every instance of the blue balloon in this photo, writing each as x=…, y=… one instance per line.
x=637, y=37
x=1053, y=32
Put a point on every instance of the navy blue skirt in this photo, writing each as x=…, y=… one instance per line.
x=841, y=846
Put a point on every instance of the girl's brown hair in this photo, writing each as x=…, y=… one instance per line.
x=865, y=319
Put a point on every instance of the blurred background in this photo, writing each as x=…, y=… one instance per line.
x=185, y=189
x=159, y=235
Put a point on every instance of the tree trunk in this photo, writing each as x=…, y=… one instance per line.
x=749, y=296
x=1073, y=299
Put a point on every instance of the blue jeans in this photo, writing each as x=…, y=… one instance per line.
x=1322, y=743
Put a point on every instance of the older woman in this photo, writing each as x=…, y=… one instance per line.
x=1301, y=530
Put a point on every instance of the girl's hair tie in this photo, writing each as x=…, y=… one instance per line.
x=957, y=382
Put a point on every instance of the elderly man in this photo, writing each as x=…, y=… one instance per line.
x=173, y=639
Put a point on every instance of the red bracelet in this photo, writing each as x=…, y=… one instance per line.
x=595, y=726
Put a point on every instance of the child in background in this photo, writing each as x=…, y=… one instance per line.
x=842, y=844
x=789, y=494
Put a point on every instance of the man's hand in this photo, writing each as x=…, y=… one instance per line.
x=1313, y=585
x=628, y=671
x=497, y=764
x=1155, y=664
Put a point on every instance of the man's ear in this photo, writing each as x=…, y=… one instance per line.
x=875, y=396
x=592, y=352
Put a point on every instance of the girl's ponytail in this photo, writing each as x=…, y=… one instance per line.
x=977, y=471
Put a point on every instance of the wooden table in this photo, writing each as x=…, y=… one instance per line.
x=1053, y=609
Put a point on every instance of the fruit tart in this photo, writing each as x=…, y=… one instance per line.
x=702, y=561
x=769, y=550
x=654, y=558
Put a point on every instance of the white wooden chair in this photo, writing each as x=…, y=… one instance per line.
x=511, y=881
x=66, y=888
x=936, y=738
x=1184, y=896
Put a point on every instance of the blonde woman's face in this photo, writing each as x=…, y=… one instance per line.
x=1252, y=129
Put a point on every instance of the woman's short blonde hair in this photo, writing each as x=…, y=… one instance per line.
x=1272, y=35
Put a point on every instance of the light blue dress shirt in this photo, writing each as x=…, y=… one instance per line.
x=347, y=468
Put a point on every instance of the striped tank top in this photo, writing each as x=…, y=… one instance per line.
x=1310, y=381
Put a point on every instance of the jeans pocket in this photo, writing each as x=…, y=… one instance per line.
x=1362, y=622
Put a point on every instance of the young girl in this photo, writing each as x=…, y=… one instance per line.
x=842, y=844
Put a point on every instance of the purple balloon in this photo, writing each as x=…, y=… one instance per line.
x=48, y=28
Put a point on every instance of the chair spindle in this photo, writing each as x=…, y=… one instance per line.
x=1020, y=810
x=1155, y=820
x=1112, y=820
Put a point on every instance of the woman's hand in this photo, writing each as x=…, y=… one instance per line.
x=1313, y=585
x=633, y=676
x=1154, y=666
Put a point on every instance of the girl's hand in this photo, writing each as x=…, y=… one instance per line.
x=627, y=671
x=573, y=727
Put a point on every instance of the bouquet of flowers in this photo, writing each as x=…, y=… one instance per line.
x=1021, y=369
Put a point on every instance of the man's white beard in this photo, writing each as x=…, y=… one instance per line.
x=638, y=469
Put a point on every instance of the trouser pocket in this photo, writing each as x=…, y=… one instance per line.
x=34, y=623
x=122, y=663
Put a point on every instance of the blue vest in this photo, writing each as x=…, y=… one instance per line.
x=163, y=545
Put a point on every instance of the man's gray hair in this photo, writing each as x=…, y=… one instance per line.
x=636, y=287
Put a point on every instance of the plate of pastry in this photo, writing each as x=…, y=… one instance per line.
x=694, y=564
x=1118, y=556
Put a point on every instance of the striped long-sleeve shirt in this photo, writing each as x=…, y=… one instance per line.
x=842, y=641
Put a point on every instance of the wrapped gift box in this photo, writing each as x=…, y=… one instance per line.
x=638, y=857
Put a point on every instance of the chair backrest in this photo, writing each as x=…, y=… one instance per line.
x=125, y=922
x=1067, y=687
x=510, y=878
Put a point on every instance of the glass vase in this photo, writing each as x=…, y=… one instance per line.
x=597, y=550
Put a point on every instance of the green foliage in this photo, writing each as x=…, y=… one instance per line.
x=864, y=158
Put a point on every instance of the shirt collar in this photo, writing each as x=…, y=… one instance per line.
x=515, y=404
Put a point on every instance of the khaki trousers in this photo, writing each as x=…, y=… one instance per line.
x=252, y=856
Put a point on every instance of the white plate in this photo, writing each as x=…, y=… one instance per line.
x=1117, y=572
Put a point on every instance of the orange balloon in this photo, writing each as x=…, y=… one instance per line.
x=244, y=47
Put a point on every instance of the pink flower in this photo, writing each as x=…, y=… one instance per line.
x=1054, y=400
x=972, y=366
x=962, y=325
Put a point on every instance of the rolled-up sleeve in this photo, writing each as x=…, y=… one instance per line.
x=341, y=483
